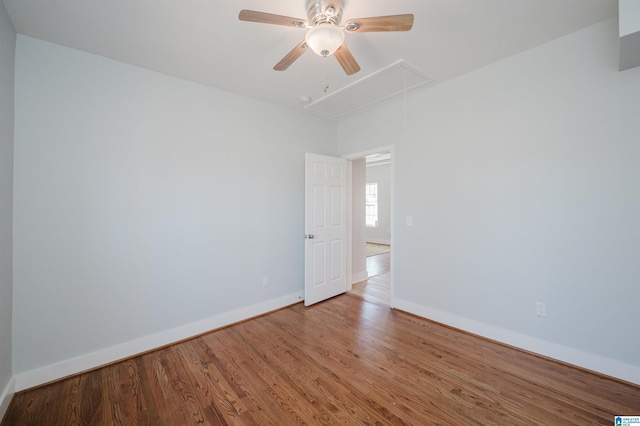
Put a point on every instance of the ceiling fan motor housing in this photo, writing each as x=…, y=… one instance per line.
x=324, y=12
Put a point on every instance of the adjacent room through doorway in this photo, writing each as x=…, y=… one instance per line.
x=377, y=227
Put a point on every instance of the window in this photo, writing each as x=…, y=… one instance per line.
x=371, y=219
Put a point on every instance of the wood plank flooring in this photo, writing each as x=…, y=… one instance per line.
x=378, y=264
x=343, y=361
x=377, y=288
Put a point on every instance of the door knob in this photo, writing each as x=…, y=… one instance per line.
x=310, y=236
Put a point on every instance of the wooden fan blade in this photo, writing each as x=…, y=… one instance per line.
x=380, y=23
x=346, y=59
x=291, y=57
x=269, y=18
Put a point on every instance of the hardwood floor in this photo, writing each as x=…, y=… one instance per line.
x=343, y=361
x=378, y=287
x=378, y=264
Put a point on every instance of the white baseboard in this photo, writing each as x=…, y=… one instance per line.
x=92, y=360
x=360, y=276
x=378, y=241
x=593, y=362
x=5, y=397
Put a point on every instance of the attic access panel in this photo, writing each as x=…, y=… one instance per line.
x=370, y=90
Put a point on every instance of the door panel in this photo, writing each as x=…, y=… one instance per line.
x=325, y=225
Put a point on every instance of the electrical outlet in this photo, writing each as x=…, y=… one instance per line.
x=541, y=309
x=265, y=281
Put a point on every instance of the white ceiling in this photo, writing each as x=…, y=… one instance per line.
x=203, y=40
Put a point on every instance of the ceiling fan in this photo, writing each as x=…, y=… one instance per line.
x=326, y=36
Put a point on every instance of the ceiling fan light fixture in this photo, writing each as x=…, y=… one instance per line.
x=325, y=39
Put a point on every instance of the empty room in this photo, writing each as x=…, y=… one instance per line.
x=183, y=212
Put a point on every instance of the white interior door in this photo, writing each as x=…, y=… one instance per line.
x=325, y=249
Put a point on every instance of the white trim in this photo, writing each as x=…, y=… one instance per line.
x=102, y=357
x=392, y=230
x=378, y=241
x=378, y=163
x=5, y=397
x=358, y=277
x=593, y=362
x=349, y=254
x=362, y=154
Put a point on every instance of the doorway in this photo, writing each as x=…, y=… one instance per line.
x=371, y=186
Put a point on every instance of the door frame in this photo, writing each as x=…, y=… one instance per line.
x=350, y=158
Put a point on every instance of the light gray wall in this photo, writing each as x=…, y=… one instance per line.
x=144, y=202
x=629, y=13
x=7, y=55
x=381, y=174
x=629, y=30
x=358, y=234
x=523, y=179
